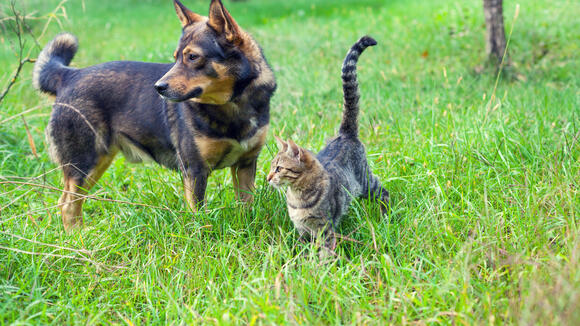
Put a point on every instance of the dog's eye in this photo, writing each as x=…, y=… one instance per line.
x=193, y=57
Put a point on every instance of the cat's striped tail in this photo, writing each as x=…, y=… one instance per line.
x=349, y=125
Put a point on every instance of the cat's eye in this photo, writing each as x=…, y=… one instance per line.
x=277, y=169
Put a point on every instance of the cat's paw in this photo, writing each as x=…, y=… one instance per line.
x=327, y=255
x=385, y=203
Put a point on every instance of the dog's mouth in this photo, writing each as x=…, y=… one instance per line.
x=195, y=93
x=170, y=95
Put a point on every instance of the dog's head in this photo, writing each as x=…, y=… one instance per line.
x=212, y=60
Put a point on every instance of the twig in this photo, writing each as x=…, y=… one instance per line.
x=79, y=251
x=20, y=28
x=81, y=196
x=374, y=238
x=24, y=178
x=346, y=238
x=95, y=263
x=89, y=124
x=51, y=16
x=29, y=136
x=15, y=200
x=22, y=113
x=30, y=16
x=43, y=175
x=19, y=21
x=14, y=78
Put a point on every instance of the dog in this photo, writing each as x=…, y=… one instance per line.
x=208, y=110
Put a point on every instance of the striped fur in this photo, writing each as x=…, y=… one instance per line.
x=349, y=125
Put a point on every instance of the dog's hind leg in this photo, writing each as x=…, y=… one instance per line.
x=78, y=138
x=76, y=187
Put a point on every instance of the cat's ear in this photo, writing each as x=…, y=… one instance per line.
x=305, y=156
x=282, y=145
x=294, y=150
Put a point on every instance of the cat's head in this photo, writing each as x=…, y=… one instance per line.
x=290, y=165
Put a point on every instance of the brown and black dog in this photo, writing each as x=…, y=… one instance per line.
x=213, y=111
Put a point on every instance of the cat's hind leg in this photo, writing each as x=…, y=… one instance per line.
x=375, y=191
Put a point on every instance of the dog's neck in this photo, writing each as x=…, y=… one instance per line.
x=224, y=111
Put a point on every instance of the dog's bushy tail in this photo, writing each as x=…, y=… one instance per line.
x=52, y=62
x=349, y=125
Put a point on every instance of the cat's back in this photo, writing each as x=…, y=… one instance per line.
x=342, y=151
x=345, y=161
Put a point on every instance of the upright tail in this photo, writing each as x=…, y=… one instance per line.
x=52, y=62
x=349, y=125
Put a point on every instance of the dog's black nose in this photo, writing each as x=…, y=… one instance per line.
x=160, y=87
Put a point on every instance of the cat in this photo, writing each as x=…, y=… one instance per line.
x=321, y=187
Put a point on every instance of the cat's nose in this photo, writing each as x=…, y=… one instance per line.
x=270, y=176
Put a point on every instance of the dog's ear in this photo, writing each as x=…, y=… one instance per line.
x=185, y=15
x=222, y=22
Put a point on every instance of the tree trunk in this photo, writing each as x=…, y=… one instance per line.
x=493, y=10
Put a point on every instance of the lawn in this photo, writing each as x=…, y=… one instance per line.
x=484, y=222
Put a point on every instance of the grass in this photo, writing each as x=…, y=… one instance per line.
x=484, y=227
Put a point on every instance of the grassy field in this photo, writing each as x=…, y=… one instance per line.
x=484, y=227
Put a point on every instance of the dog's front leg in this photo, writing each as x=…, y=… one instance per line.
x=194, y=184
x=243, y=175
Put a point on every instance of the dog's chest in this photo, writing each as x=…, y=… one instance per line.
x=219, y=153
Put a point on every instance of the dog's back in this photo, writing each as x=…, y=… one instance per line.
x=104, y=108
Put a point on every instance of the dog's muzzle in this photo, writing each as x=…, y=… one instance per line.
x=195, y=93
x=163, y=89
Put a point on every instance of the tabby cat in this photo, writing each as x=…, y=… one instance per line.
x=320, y=187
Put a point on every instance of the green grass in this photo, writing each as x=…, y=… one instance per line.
x=484, y=225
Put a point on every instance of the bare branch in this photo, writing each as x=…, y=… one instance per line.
x=19, y=23
x=84, y=259
x=81, y=197
x=81, y=252
x=20, y=29
x=22, y=113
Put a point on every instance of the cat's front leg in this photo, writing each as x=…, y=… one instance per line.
x=318, y=229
